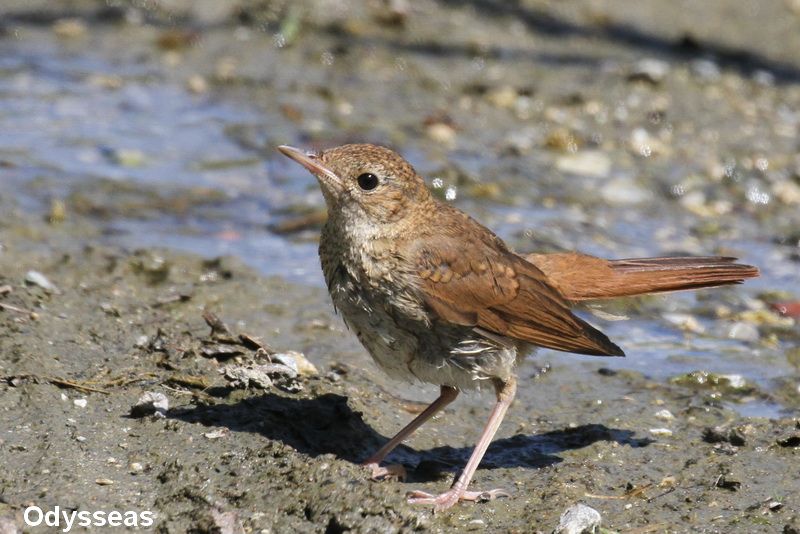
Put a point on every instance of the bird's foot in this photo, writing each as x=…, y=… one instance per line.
x=387, y=472
x=447, y=499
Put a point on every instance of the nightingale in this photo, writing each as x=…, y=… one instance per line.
x=436, y=297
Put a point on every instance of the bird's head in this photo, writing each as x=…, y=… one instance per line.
x=368, y=183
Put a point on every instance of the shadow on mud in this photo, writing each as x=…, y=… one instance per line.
x=327, y=425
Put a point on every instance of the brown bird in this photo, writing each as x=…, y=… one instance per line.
x=436, y=297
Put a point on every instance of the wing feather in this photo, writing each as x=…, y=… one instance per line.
x=489, y=287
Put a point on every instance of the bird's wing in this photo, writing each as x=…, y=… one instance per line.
x=473, y=280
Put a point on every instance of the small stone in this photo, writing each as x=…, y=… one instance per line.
x=520, y=141
x=591, y=163
x=705, y=69
x=744, y=332
x=642, y=144
x=296, y=361
x=727, y=482
x=719, y=434
x=141, y=342
x=502, y=97
x=136, y=468
x=69, y=28
x=441, y=133
x=787, y=192
x=36, y=278
x=80, y=439
x=197, y=84
x=733, y=381
x=578, y=519
x=218, y=433
x=791, y=440
x=624, y=190
x=661, y=432
x=80, y=403
x=150, y=403
x=260, y=376
x=685, y=322
x=561, y=140
x=104, y=482
x=650, y=70
x=664, y=415
x=128, y=157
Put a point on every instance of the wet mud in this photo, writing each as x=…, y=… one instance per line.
x=123, y=240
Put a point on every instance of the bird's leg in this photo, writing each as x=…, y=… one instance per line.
x=446, y=396
x=458, y=492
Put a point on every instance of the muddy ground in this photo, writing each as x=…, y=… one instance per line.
x=94, y=313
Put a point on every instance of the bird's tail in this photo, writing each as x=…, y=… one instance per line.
x=583, y=277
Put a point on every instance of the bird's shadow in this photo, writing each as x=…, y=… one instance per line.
x=327, y=425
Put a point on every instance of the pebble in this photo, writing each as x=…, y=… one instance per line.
x=104, y=482
x=661, y=432
x=650, y=70
x=80, y=403
x=641, y=143
x=136, y=468
x=297, y=361
x=664, y=415
x=578, y=519
x=684, y=321
x=743, y=332
x=586, y=163
x=256, y=375
x=218, y=433
x=69, y=28
x=787, y=192
x=441, y=133
x=36, y=278
x=197, y=84
x=503, y=97
x=734, y=381
x=151, y=403
x=705, y=69
x=624, y=190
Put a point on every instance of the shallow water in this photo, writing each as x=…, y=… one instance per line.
x=78, y=116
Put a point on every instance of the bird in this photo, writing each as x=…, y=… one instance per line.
x=436, y=297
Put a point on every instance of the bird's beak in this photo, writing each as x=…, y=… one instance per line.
x=327, y=178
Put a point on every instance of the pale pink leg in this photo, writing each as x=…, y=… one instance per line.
x=458, y=491
x=446, y=396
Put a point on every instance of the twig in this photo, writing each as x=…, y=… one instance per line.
x=633, y=492
x=9, y=307
x=71, y=384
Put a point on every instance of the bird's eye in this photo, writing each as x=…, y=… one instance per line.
x=367, y=181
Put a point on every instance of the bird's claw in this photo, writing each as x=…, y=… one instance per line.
x=447, y=499
x=387, y=472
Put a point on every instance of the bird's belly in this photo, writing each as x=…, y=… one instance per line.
x=412, y=351
x=390, y=346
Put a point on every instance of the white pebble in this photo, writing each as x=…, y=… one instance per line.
x=744, y=332
x=665, y=415
x=578, y=519
x=586, y=163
